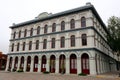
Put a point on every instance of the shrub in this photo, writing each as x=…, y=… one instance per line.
x=20, y=70
x=82, y=74
x=13, y=70
x=46, y=72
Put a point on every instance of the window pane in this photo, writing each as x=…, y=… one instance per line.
x=84, y=39
x=72, y=41
x=38, y=30
x=45, y=29
x=83, y=22
x=31, y=32
x=54, y=27
x=14, y=35
x=45, y=44
x=62, y=42
x=53, y=43
x=25, y=32
x=62, y=25
x=72, y=24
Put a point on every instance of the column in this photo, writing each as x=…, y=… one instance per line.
x=67, y=65
x=25, y=64
x=7, y=65
x=48, y=64
x=13, y=62
x=31, y=65
x=39, y=65
x=18, y=63
x=78, y=65
x=92, y=66
x=57, y=65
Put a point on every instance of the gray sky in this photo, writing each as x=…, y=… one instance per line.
x=17, y=11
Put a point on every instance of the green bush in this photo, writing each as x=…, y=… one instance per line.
x=46, y=72
x=13, y=70
x=82, y=74
x=20, y=70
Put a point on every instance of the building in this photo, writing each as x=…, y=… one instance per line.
x=3, y=61
x=70, y=42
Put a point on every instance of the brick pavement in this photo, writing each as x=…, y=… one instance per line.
x=40, y=76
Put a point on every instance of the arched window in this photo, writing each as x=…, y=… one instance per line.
x=62, y=25
x=30, y=45
x=18, y=45
x=14, y=35
x=83, y=22
x=72, y=38
x=37, y=44
x=72, y=24
x=23, y=46
x=62, y=42
x=54, y=27
x=38, y=30
x=84, y=39
x=19, y=34
x=12, y=49
x=45, y=29
x=31, y=31
x=53, y=43
x=25, y=33
x=45, y=44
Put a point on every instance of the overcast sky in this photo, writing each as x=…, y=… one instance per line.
x=17, y=11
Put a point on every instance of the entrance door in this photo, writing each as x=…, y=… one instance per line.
x=28, y=63
x=35, y=63
x=73, y=64
x=62, y=64
x=85, y=63
x=52, y=64
x=43, y=66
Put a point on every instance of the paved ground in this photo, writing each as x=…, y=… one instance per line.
x=40, y=76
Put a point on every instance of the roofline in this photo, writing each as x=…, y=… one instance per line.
x=75, y=10
x=83, y=8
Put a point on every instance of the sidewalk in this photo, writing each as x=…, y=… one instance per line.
x=109, y=75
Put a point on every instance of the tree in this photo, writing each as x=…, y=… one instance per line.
x=114, y=34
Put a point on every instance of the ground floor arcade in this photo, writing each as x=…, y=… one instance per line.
x=71, y=62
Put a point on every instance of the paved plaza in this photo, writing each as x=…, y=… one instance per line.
x=40, y=76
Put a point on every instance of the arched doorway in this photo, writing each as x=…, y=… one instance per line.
x=22, y=63
x=43, y=65
x=62, y=64
x=85, y=63
x=10, y=63
x=28, y=63
x=35, y=63
x=73, y=64
x=16, y=63
x=52, y=64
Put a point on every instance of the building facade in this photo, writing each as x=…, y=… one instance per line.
x=3, y=61
x=69, y=42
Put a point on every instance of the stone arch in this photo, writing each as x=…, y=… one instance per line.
x=16, y=63
x=85, y=63
x=73, y=63
x=22, y=62
x=62, y=65
x=28, y=63
x=87, y=52
x=43, y=63
x=10, y=63
x=36, y=59
x=52, y=63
